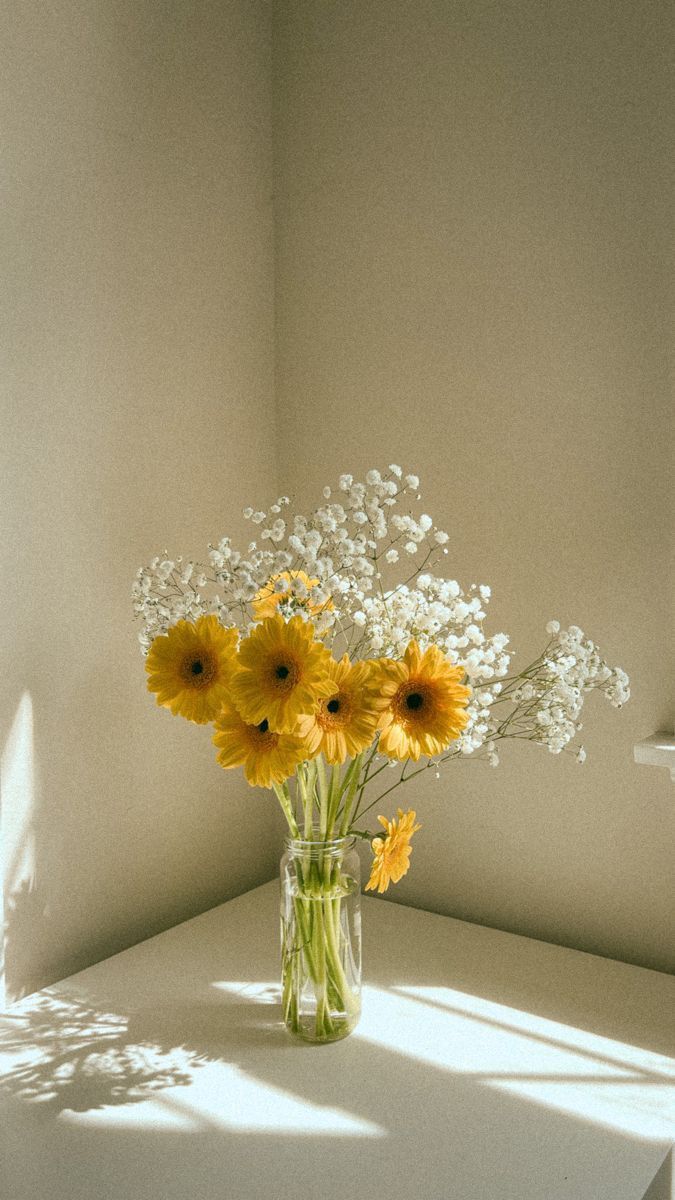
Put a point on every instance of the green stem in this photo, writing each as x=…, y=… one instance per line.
x=366, y=780
x=323, y=796
x=283, y=796
x=323, y=1023
x=331, y=924
x=334, y=792
x=406, y=779
x=314, y=949
x=351, y=793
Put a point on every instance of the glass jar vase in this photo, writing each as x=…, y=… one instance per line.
x=320, y=938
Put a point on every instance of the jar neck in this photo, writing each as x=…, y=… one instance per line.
x=315, y=847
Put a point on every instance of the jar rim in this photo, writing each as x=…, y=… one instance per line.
x=338, y=843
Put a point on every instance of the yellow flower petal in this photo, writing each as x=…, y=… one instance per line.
x=268, y=599
x=344, y=722
x=266, y=757
x=282, y=673
x=190, y=667
x=426, y=704
x=391, y=854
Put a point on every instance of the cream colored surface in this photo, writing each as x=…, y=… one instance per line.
x=484, y=1067
x=473, y=265
x=137, y=413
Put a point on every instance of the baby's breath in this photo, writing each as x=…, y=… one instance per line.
x=348, y=548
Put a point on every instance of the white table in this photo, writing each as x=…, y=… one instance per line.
x=486, y=1067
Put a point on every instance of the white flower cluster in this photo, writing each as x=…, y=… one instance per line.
x=548, y=696
x=343, y=546
x=435, y=612
x=347, y=550
x=166, y=592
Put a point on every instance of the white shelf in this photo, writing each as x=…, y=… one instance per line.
x=486, y=1067
x=657, y=751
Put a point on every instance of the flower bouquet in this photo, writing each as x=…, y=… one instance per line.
x=323, y=674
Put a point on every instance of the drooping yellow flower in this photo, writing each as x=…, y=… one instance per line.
x=266, y=757
x=392, y=853
x=189, y=668
x=426, y=704
x=282, y=673
x=268, y=599
x=344, y=722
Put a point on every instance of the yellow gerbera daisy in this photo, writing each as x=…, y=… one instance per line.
x=189, y=668
x=426, y=704
x=392, y=853
x=282, y=672
x=268, y=599
x=266, y=757
x=345, y=721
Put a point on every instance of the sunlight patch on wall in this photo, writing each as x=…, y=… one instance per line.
x=17, y=798
x=17, y=804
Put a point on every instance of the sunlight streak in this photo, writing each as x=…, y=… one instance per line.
x=603, y=1081
x=262, y=993
x=552, y=1032
x=98, y=1068
x=223, y=1096
x=17, y=803
x=17, y=798
x=557, y=1066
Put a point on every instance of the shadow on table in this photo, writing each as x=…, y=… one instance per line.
x=469, y=1106
x=68, y=1057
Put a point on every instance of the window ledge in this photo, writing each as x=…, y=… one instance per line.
x=657, y=751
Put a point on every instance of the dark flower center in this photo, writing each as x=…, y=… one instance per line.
x=198, y=669
x=282, y=672
x=333, y=706
x=414, y=701
x=263, y=726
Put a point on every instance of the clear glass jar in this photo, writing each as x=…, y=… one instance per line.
x=321, y=938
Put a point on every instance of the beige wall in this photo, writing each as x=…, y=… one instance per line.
x=471, y=274
x=473, y=223
x=137, y=412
